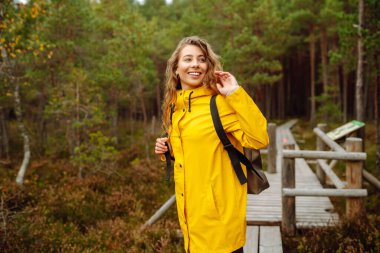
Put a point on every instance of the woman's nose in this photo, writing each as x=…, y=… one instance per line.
x=195, y=63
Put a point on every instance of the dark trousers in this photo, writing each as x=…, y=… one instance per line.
x=239, y=250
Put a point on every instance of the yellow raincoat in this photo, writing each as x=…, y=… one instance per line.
x=211, y=202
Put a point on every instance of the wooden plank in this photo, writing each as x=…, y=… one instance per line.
x=370, y=178
x=160, y=211
x=321, y=175
x=264, y=223
x=314, y=154
x=289, y=124
x=325, y=192
x=331, y=174
x=270, y=240
x=265, y=208
x=252, y=240
x=272, y=148
x=328, y=141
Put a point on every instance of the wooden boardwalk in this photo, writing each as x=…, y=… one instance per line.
x=266, y=209
x=263, y=239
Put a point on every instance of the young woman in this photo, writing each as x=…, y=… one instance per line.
x=211, y=203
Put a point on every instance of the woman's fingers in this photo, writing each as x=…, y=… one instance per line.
x=219, y=86
x=160, y=147
x=223, y=74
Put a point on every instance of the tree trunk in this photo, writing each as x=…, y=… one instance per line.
x=114, y=112
x=312, y=76
x=24, y=134
x=132, y=111
x=359, y=72
x=77, y=130
x=267, y=101
x=281, y=96
x=42, y=131
x=324, y=59
x=377, y=114
x=345, y=89
x=4, y=136
x=336, y=91
x=145, y=118
x=158, y=100
x=25, y=161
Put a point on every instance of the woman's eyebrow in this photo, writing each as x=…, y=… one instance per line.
x=190, y=55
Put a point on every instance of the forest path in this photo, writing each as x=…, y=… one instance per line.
x=266, y=208
x=264, y=211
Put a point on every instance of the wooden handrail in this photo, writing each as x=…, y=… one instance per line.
x=312, y=154
x=328, y=141
x=331, y=174
x=160, y=211
x=372, y=179
x=325, y=192
x=354, y=168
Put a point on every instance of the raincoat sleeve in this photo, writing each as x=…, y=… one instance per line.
x=242, y=118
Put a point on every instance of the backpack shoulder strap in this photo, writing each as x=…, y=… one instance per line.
x=235, y=155
x=226, y=142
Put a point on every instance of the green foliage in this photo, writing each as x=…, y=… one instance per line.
x=98, y=154
x=329, y=110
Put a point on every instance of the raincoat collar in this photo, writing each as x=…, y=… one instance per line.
x=184, y=97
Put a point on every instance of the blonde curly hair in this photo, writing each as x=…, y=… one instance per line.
x=209, y=81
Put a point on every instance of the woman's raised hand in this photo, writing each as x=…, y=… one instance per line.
x=226, y=82
x=160, y=147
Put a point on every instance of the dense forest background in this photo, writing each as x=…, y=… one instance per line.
x=81, y=86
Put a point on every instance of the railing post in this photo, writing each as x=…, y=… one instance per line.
x=289, y=203
x=354, y=178
x=321, y=146
x=272, y=152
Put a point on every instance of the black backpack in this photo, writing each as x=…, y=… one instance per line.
x=256, y=179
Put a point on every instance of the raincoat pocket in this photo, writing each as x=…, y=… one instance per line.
x=210, y=205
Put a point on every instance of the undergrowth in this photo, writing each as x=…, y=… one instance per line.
x=55, y=211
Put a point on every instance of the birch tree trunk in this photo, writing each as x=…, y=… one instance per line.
x=359, y=71
x=25, y=136
x=21, y=126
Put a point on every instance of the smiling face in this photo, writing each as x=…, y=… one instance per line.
x=192, y=67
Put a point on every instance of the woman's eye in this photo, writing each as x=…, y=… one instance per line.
x=202, y=59
x=187, y=60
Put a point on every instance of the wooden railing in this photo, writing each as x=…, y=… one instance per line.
x=352, y=189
